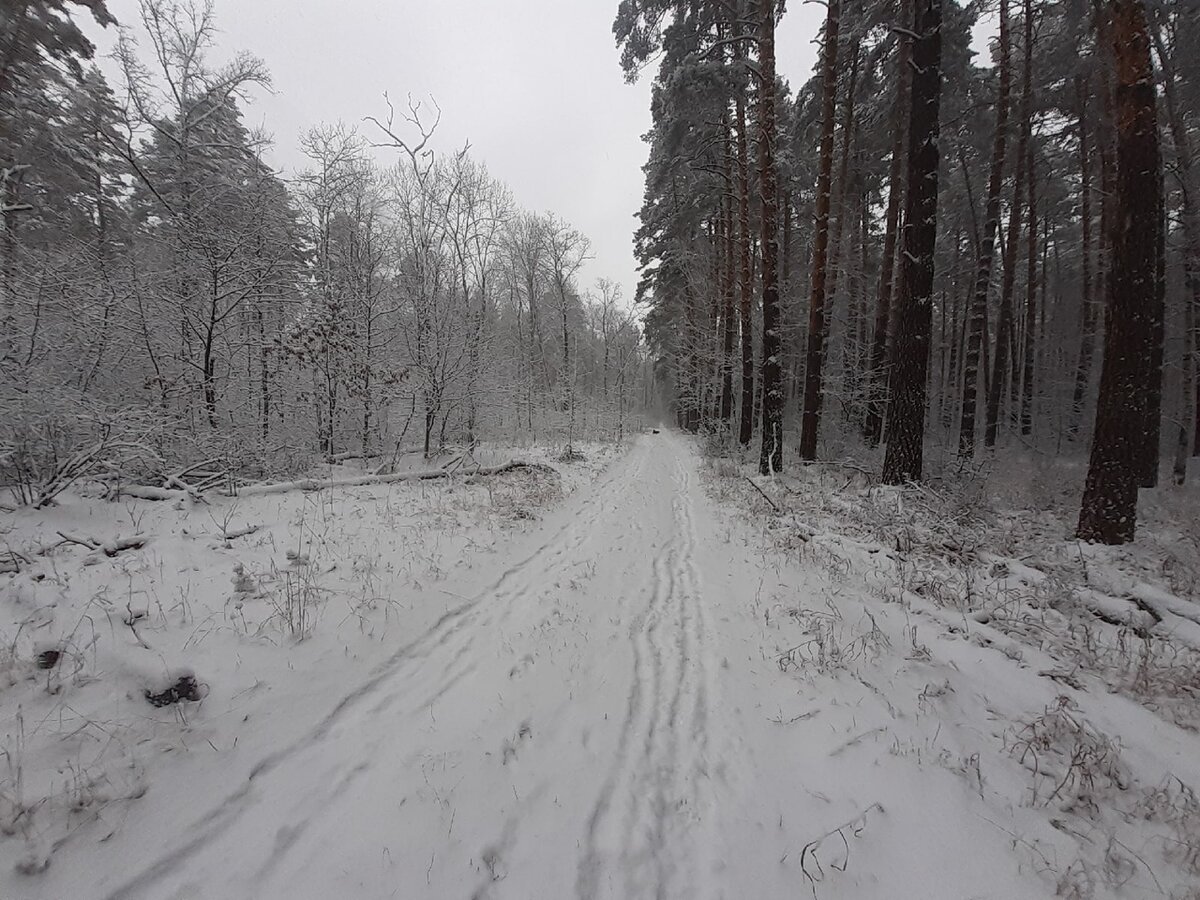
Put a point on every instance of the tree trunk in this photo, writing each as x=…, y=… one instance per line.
x=727, y=309
x=771, y=457
x=746, y=287
x=1087, y=332
x=983, y=276
x=1004, y=326
x=1031, y=308
x=883, y=300
x=811, y=416
x=1190, y=216
x=1108, y=513
x=914, y=320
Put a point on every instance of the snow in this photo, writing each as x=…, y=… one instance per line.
x=647, y=684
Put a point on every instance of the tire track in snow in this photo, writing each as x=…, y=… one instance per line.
x=657, y=790
x=465, y=622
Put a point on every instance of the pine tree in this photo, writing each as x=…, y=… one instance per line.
x=1108, y=512
x=914, y=308
x=815, y=356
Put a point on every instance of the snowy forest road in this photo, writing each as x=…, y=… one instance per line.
x=555, y=735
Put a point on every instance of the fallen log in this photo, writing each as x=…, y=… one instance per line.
x=149, y=492
x=318, y=484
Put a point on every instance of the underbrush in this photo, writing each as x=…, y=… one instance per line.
x=983, y=560
x=140, y=637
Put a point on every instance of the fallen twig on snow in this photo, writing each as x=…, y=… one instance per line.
x=229, y=535
x=108, y=548
x=763, y=494
x=808, y=855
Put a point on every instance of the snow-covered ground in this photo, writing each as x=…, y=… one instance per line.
x=647, y=684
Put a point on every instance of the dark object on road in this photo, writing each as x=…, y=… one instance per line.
x=48, y=659
x=654, y=431
x=185, y=688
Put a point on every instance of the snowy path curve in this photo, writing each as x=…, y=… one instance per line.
x=552, y=736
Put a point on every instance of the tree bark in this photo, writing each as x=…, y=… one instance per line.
x=910, y=351
x=745, y=284
x=1108, y=512
x=771, y=457
x=727, y=311
x=883, y=300
x=1031, y=308
x=983, y=276
x=1087, y=331
x=1004, y=326
x=1184, y=161
x=811, y=416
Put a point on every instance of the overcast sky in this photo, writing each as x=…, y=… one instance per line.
x=534, y=85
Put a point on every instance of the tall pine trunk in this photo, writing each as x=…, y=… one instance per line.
x=727, y=282
x=1029, y=351
x=977, y=323
x=1190, y=215
x=1108, y=512
x=745, y=282
x=771, y=457
x=914, y=317
x=814, y=357
x=883, y=299
x=1087, y=331
x=1004, y=326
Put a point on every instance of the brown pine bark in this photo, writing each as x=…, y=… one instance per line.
x=727, y=283
x=1029, y=351
x=883, y=300
x=1181, y=142
x=914, y=309
x=838, y=211
x=815, y=351
x=745, y=284
x=771, y=457
x=1108, y=513
x=1087, y=331
x=977, y=323
x=1004, y=326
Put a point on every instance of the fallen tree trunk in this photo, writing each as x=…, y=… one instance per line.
x=149, y=492
x=317, y=484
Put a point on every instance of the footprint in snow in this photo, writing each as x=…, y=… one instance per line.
x=511, y=746
x=521, y=666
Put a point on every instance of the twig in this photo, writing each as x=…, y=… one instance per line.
x=774, y=505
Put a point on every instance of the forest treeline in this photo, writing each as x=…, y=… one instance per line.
x=167, y=297
x=916, y=247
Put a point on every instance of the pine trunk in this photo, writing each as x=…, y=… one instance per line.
x=883, y=301
x=1190, y=215
x=771, y=456
x=728, y=277
x=1029, y=352
x=1087, y=331
x=811, y=416
x=1005, y=325
x=977, y=323
x=746, y=288
x=1108, y=513
x=914, y=319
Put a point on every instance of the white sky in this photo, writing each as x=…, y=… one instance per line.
x=535, y=85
